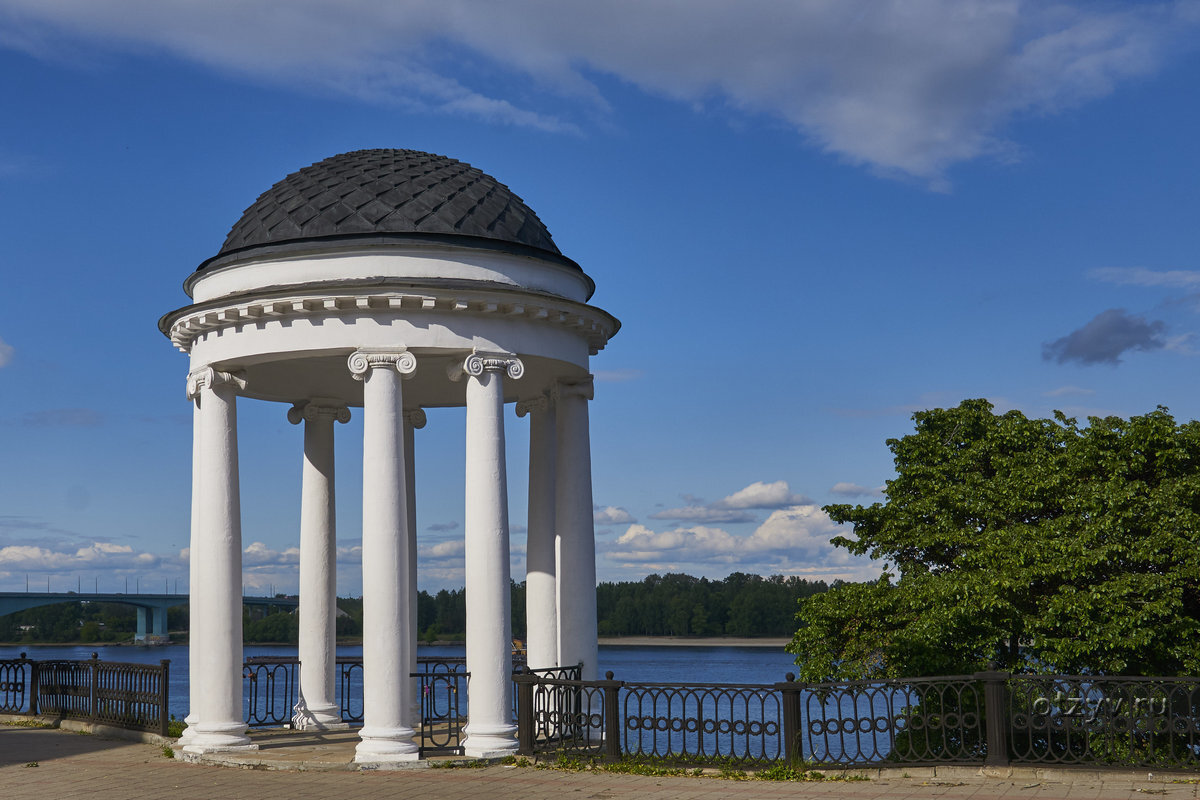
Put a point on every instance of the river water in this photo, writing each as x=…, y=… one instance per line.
x=641, y=663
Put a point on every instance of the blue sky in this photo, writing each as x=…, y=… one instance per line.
x=812, y=219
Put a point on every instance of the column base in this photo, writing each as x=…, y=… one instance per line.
x=189, y=731
x=384, y=745
x=491, y=741
x=219, y=738
x=318, y=718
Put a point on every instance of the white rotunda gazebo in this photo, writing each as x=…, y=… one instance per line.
x=392, y=281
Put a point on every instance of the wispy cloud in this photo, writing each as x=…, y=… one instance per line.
x=704, y=514
x=1140, y=276
x=903, y=88
x=442, y=527
x=845, y=489
x=736, y=507
x=1104, y=339
x=616, y=375
x=1069, y=391
x=6, y=353
x=904, y=410
x=63, y=418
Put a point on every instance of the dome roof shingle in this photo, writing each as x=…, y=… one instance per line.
x=380, y=192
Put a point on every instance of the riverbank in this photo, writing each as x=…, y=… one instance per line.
x=774, y=642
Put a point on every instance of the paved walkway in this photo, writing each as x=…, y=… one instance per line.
x=43, y=764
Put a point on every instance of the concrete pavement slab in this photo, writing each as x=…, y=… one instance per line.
x=41, y=764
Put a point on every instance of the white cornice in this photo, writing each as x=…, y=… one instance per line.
x=186, y=324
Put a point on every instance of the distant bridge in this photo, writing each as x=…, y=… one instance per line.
x=151, y=608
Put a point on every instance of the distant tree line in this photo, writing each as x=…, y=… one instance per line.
x=681, y=605
x=658, y=605
x=79, y=621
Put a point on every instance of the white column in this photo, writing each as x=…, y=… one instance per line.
x=413, y=420
x=541, y=586
x=215, y=652
x=490, y=730
x=193, y=585
x=387, y=734
x=316, y=707
x=575, y=529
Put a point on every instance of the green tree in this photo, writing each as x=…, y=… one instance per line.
x=1034, y=543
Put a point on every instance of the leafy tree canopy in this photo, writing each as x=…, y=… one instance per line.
x=1032, y=543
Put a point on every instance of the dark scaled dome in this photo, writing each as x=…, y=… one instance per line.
x=373, y=193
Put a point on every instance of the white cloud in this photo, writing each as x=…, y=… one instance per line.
x=846, y=489
x=793, y=540
x=97, y=557
x=612, y=515
x=6, y=353
x=454, y=548
x=762, y=495
x=904, y=88
x=1069, y=391
x=1140, y=276
x=257, y=554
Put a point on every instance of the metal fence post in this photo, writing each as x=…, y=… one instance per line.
x=790, y=701
x=32, y=686
x=95, y=692
x=995, y=704
x=612, y=717
x=525, y=730
x=164, y=683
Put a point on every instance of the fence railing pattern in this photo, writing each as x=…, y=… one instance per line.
x=702, y=722
x=123, y=695
x=987, y=718
x=16, y=686
x=271, y=690
x=443, y=688
x=990, y=718
x=914, y=721
x=1074, y=719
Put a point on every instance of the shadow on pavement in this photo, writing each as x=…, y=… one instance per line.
x=19, y=746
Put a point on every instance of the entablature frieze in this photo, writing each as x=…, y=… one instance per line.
x=188, y=324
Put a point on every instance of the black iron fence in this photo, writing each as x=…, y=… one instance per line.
x=123, y=695
x=991, y=718
x=271, y=691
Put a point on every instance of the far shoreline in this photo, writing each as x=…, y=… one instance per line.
x=777, y=642
x=696, y=641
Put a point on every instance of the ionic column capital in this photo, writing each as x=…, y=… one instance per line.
x=541, y=403
x=478, y=363
x=317, y=409
x=363, y=361
x=415, y=418
x=575, y=387
x=209, y=378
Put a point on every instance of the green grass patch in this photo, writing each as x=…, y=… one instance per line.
x=720, y=767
